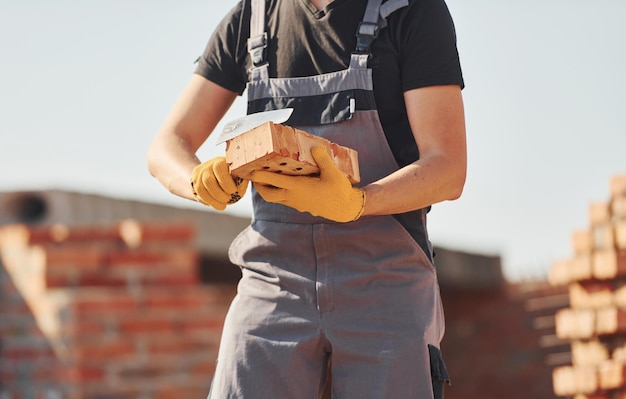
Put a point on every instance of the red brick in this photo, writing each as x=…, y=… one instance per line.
x=205, y=368
x=7, y=374
x=609, y=264
x=575, y=324
x=155, y=369
x=105, y=350
x=604, y=236
x=618, y=186
x=27, y=353
x=582, y=242
x=101, y=280
x=86, y=374
x=599, y=213
x=589, y=353
x=86, y=279
x=142, y=326
x=111, y=392
x=612, y=375
x=84, y=328
x=569, y=380
x=54, y=371
x=204, y=324
x=109, y=301
x=620, y=234
x=618, y=207
x=180, y=391
x=168, y=279
x=610, y=321
x=60, y=280
x=604, y=395
x=101, y=234
x=592, y=295
x=566, y=271
x=184, y=258
x=15, y=306
x=137, y=233
x=175, y=300
x=59, y=233
x=179, y=345
x=67, y=257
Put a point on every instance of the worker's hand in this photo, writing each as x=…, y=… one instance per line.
x=213, y=185
x=330, y=195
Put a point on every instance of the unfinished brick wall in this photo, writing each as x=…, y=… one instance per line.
x=106, y=312
x=595, y=321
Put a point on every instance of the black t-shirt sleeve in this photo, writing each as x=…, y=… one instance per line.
x=223, y=60
x=427, y=46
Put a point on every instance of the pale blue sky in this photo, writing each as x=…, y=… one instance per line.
x=85, y=85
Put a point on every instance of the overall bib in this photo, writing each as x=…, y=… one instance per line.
x=362, y=297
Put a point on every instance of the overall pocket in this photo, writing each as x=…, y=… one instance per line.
x=438, y=371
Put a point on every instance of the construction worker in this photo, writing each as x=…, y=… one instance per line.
x=334, y=276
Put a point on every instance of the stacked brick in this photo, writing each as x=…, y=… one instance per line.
x=116, y=312
x=595, y=321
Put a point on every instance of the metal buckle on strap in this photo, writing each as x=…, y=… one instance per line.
x=366, y=33
x=256, y=49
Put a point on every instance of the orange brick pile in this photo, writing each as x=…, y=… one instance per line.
x=115, y=312
x=595, y=321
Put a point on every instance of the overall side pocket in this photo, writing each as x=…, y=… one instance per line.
x=438, y=371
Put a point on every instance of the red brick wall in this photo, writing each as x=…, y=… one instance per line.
x=115, y=312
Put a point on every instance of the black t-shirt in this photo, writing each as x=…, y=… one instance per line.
x=417, y=48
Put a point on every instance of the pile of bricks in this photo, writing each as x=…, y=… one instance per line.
x=595, y=321
x=106, y=312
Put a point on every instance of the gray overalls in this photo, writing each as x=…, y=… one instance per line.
x=360, y=296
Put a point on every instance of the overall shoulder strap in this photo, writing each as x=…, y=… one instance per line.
x=257, y=42
x=374, y=19
x=368, y=27
x=390, y=6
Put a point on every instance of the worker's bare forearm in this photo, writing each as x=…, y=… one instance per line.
x=171, y=157
x=171, y=161
x=416, y=186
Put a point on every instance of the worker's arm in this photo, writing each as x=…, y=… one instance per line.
x=171, y=156
x=437, y=120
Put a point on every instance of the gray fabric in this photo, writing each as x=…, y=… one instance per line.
x=340, y=290
x=390, y=6
x=316, y=85
x=257, y=18
x=257, y=40
x=372, y=12
x=359, y=60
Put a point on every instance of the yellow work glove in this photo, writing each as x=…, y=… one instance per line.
x=329, y=195
x=213, y=185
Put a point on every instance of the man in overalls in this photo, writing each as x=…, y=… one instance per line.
x=334, y=276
